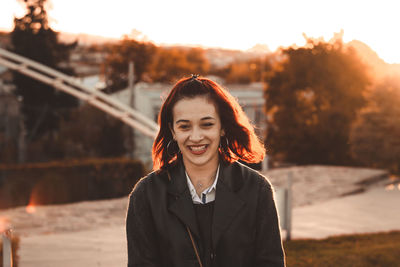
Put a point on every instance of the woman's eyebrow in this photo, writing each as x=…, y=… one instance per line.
x=182, y=121
x=187, y=121
x=207, y=118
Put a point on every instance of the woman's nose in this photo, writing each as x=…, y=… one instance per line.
x=196, y=135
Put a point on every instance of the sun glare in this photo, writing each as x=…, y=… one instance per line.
x=30, y=209
x=4, y=224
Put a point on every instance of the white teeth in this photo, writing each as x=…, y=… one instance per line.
x=197, y=148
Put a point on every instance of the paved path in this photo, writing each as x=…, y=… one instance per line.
x=89, y=248
x=375, y=210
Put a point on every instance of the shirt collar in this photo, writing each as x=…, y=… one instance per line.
x=207, y=191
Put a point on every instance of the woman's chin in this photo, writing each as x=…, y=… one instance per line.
x=203, y=159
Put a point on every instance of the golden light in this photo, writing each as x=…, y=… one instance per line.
x=389, y=187
x=30, y=209
x=4, y=224
x=392, y=186
x=230, y=24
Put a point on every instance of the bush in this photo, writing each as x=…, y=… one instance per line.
x=365, y=250
x=65, y=182
x=15, y=247
x=87, y=133
x=375, y=137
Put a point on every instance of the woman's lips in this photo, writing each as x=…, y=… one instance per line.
x=198, y=149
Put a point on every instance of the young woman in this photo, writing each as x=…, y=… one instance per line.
x=200, y=207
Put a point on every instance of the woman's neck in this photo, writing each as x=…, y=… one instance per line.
x=202, y=177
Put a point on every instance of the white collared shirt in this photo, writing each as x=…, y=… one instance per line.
x=207, y=195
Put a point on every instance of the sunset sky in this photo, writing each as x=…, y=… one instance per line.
x=228, y=24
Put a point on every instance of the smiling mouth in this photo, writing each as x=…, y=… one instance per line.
x=198, y=149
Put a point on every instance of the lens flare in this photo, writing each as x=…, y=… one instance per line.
x=30, y=209
x=4, y=224
x=390, y=187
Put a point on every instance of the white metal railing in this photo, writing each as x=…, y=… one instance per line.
x=7, y=248
x=72, y=86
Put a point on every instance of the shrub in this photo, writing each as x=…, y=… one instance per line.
x=67, y=181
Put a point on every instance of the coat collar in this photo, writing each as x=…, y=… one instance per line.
x=227, y=202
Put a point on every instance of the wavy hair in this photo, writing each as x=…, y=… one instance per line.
x=241, y=141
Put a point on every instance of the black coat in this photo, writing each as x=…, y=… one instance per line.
x=245, y=229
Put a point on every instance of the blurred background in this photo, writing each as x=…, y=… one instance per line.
x=319, y=80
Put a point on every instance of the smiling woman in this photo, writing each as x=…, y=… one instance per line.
x=201, y=207
x=197, y=131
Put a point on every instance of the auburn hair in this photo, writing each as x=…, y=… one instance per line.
x=241, y=141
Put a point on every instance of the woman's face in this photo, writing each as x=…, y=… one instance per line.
x=197, y=130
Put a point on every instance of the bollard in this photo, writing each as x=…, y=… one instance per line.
x=288, y=207
x=280, y=200
x=7, y=248
x=283, y=197
x=264, y=163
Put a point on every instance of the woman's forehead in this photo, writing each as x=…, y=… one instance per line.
x=196, y=108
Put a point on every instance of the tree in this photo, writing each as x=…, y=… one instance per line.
x=117, y=62
x=89, y=133
x=152, y=64
x=245, y=72
x=171, y=64
x=93, y=133
x=375, y=137
x=32, y=37
x=312, y=98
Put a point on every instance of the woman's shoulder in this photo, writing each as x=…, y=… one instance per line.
x=154, y=179
x=250, y=175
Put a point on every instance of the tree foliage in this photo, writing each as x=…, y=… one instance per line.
x=313, y=96
x=88, y=133
x=8, y=149
x=375, y=137
x=245, y=72
x=32, y=37
x=118, y=59
x=171, y=64
x=93, y=133
x=152, y=63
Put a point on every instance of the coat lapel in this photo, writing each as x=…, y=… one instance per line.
x=181, y=205
x=227, y=202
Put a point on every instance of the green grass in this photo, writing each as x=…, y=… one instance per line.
x=364, y=250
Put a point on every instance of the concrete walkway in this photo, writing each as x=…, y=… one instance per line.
x=89, y=248
x=375, y=210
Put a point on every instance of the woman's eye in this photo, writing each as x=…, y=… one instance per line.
x=209, y=124
x=183, y=127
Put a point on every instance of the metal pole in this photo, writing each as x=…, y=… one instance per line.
x=21, y=139
x=288, y=206
x=7, y=249
x=131, y=79
x=264, y=163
